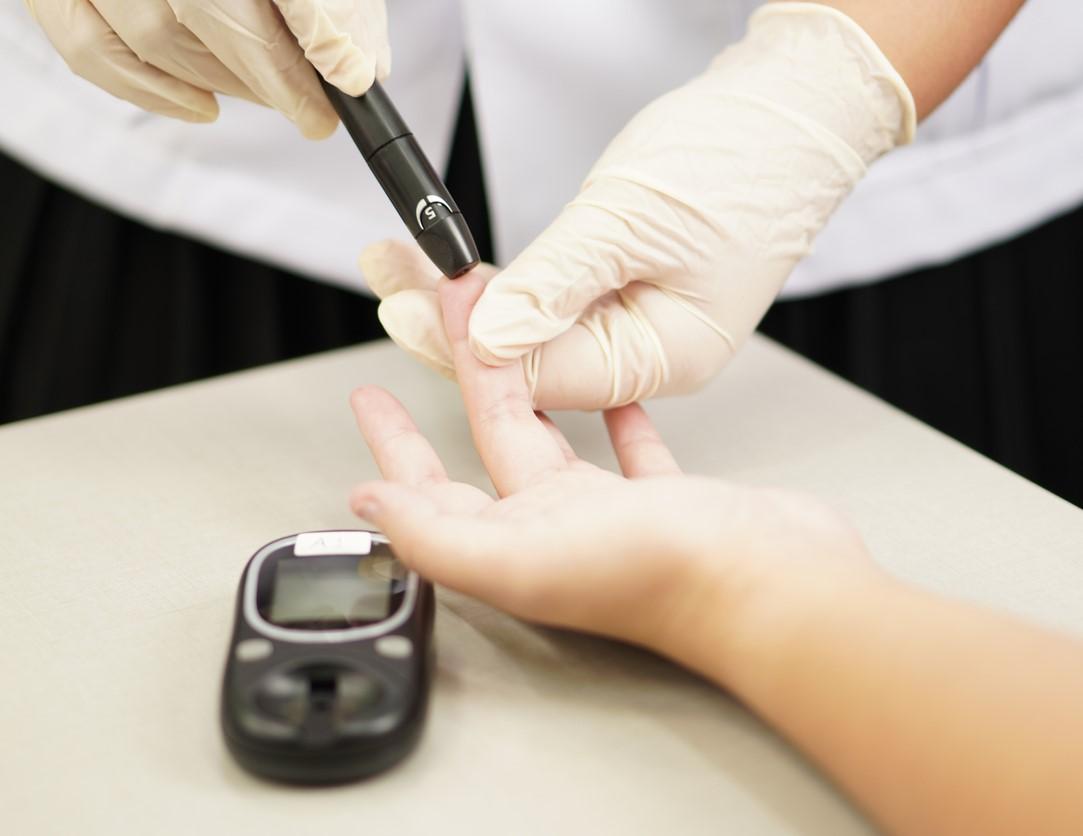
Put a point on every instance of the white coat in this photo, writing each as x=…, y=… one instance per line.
x=553, y=82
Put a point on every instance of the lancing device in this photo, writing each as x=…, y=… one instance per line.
x=407, y=177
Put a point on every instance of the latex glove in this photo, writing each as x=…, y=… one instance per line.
x=686, y=228
x=171, y=56
x=572, y=545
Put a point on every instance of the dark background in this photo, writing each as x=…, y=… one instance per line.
x=95, y=306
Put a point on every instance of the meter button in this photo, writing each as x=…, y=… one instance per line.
x=395, y=647
x=252, y=650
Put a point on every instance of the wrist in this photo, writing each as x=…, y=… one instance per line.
x=778, y=625
x=775, y=565
x=819, y=63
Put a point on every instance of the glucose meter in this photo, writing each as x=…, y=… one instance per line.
x=327, y=673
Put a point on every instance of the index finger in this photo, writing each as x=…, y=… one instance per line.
x=515, y=447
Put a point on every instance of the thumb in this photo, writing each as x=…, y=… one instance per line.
x=593, y=247
x=346, y=42
x=408, y=517
x=458, y=551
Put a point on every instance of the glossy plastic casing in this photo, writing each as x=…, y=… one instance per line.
x=326, y=707
x=408, y=178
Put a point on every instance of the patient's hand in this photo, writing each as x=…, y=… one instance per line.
x=643, y=557
x=899, y=695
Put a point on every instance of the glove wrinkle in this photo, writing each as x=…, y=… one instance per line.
x=679, y=299
x=635, y=361
x=688, y=225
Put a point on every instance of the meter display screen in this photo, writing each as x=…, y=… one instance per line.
x=332, y=591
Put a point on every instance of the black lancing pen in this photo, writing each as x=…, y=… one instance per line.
x=407, y=177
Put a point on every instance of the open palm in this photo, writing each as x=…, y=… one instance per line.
x=566, y=543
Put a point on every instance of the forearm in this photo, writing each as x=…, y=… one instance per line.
x=933, y=44
x=935, y=716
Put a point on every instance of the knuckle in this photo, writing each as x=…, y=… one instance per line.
x=507, y=407
x=397, y=437
x=641, y=444
x=429, y=477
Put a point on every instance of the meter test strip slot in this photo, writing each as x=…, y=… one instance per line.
x=328, y=669
x=407, y=177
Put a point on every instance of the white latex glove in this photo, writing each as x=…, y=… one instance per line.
x=650, y=557
x=685, y=229
x=171, y=56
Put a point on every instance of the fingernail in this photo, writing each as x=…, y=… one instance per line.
x=368, y=509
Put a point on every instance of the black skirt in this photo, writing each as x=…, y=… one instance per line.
x=94, y=305
x=987, y=349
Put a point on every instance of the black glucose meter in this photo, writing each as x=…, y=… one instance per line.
x=328, y=670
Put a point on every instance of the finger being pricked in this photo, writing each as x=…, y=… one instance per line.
x=516, y=448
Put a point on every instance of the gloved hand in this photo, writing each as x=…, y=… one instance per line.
x=685, y=229
x=649, y=558
x=171, y=56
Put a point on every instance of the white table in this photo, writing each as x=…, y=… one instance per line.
x=125, y=527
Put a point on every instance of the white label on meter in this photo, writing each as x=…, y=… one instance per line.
x=332, y=542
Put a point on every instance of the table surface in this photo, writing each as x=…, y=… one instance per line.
x=126, y=526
